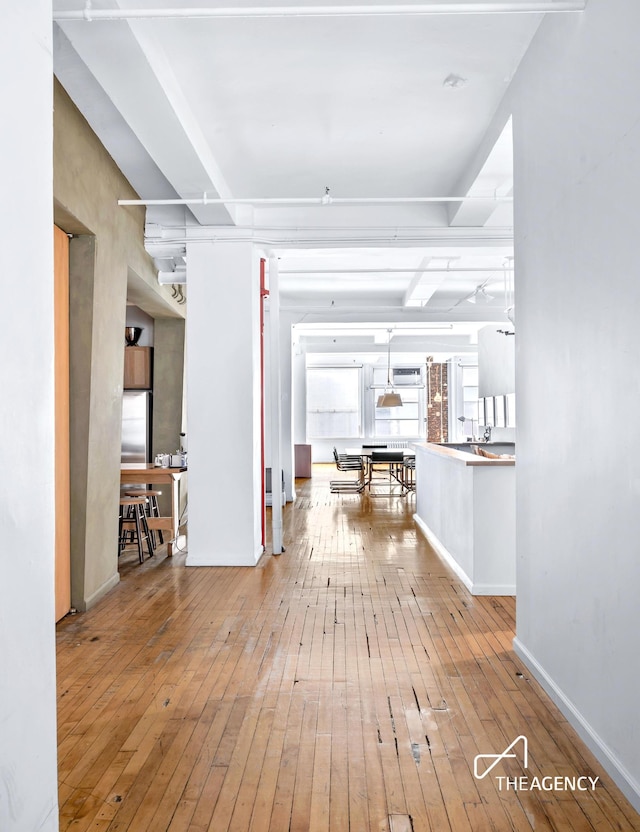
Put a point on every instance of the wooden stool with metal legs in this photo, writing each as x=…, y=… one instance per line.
x=151, y=508
x=132, y=513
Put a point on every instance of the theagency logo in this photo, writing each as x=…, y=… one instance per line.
x=507, y=753
x=548, y=783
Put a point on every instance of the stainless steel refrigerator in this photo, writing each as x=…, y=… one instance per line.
x=136, y=426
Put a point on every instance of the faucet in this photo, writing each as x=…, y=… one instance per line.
x=487, y=434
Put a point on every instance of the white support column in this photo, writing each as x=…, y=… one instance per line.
x=299, y=382
x=286, y=410
x=276, y=430
x=28, y=785
x=223, y=399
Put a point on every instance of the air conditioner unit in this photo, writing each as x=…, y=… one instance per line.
x=407, y=377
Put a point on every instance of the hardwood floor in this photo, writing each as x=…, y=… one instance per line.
x=344, y=686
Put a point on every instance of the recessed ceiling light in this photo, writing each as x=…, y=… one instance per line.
x=454, y=81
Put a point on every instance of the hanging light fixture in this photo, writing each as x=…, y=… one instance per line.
x=389, y=398
x=438, y=396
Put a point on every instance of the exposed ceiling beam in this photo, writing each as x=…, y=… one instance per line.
x=155, y=110
x=408, y=299
x=361, y=10
x=177, y=101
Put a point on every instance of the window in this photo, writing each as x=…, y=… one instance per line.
x=333, y=402
x=510, y=405
x=470, y=393
x=398, y=421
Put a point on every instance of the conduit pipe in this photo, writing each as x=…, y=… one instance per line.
x=171, y=278
x=274, y=392
x=274, y=237
x=264, y=294
x=363, y=10
x=347, y=270
x=398, y=240
x=316, y=200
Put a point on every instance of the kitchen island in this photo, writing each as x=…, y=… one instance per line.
x=466, y=507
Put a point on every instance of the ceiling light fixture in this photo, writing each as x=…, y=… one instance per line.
x=389, y=398
x=454, y=81
x=480, y=294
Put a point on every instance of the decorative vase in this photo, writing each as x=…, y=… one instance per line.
x=132, y=335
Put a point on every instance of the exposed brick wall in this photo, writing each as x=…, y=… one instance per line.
x=437, y=411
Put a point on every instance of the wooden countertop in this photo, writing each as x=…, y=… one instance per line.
x=466, y=457
x=137, y=467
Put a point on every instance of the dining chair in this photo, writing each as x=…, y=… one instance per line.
x=389, y=462
x=347, y=462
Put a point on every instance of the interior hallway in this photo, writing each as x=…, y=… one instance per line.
x=346, y=685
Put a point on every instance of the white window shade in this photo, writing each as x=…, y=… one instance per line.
x=333, y=402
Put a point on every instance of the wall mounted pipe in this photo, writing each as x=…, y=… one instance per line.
x=363, y=10
x=264, y=294
x=317, y=200
x=347, y=270
x=276, y=432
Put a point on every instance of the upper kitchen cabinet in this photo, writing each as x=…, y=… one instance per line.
x=138, y=368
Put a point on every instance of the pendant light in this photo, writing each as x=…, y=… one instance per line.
x=389, y=398
x=438, y=396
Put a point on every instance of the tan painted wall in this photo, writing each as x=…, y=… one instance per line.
x=107, y=263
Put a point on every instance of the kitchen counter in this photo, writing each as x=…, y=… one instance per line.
x=465, y=506
x=141, y=474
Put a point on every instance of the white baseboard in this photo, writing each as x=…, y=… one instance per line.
x=612, y=765
x=204, y=559
x=447, y=557
x=493, y=589
x=107, y=586
x=443, y=553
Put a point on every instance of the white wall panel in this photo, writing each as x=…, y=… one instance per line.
x=577, y=165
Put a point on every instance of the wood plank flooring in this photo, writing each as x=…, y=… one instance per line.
x=344, y=686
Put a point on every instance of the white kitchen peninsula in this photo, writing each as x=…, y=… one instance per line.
x=466, y=507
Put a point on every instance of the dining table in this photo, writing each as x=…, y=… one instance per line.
x=138, y=474
x=395, y=468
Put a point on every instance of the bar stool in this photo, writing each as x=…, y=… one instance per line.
x=151, y=508
x=408, y=479
x=132, y=512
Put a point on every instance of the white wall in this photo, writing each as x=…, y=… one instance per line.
x=28, y=780
x=577, y=167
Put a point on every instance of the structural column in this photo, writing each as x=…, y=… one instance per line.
x=28, y=785
x=223, y=403
x=286, y=411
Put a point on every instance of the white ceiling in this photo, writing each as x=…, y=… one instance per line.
x=284, y=107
